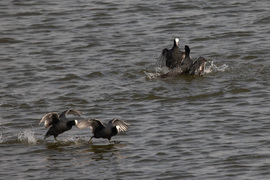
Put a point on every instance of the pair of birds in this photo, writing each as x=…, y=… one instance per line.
x=58, y=124
x=181, y=62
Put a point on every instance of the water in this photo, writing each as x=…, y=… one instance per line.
x=97, y=57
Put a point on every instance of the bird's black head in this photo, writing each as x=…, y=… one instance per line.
x=71, y=123
x=187, y=50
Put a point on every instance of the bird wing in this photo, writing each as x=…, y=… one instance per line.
x=92, y=123
x=162, y=58
x=164, y=52
x=70, y=111
x=198, y=66
x=120, y=124
x=49, y=120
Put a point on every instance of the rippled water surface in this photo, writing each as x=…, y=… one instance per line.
x=100, y=57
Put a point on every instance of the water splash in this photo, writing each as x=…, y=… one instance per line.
x=150, y=75
x=208, y=69
x=215, y=68
x=159, y=70
x=27, y=136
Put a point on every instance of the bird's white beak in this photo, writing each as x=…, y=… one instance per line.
x=177, y=41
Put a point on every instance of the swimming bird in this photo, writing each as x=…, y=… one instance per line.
x=172, y=57
x=103, y=130
x=187, y=61
x=58, y=124
x=187, y=66
x=198, y=67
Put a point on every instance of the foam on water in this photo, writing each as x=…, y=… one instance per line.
x=27, y=136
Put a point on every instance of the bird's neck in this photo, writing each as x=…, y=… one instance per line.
x=71, y=123
x=114, y=130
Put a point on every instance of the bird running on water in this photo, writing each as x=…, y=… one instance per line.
x=58, y=124
x=103, y=130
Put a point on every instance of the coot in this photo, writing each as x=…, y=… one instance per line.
x=103, y=130
x=58, y=124
x=172, y=57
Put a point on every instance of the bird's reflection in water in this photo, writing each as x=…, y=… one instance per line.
x=104, y=151
x=83, y=153
x=56, y=145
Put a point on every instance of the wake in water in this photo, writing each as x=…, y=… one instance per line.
x=209, y=68
x=31, y=138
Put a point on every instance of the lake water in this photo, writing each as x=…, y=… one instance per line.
x=100, y=57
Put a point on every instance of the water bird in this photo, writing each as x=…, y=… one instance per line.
x=103, y=130
x=187, y=61
x=173, y=57
x=198, y=67
x=58, y=124
x=187, y=66
x=184, y=67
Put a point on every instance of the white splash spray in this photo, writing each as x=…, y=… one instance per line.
x=215, y=68
x=27, y=136
x=208, y=69
x=151, y=75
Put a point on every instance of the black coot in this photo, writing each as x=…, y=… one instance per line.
x=172, y=57
x=58, y=124
x=103, y=130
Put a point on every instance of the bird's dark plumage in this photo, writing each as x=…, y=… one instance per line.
x=58, y=124
x=187, y=61
x=198, y=67
x=172, y=57
x=103, y=130
x=187, y=66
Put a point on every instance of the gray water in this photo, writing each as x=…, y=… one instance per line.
x=100, y=57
